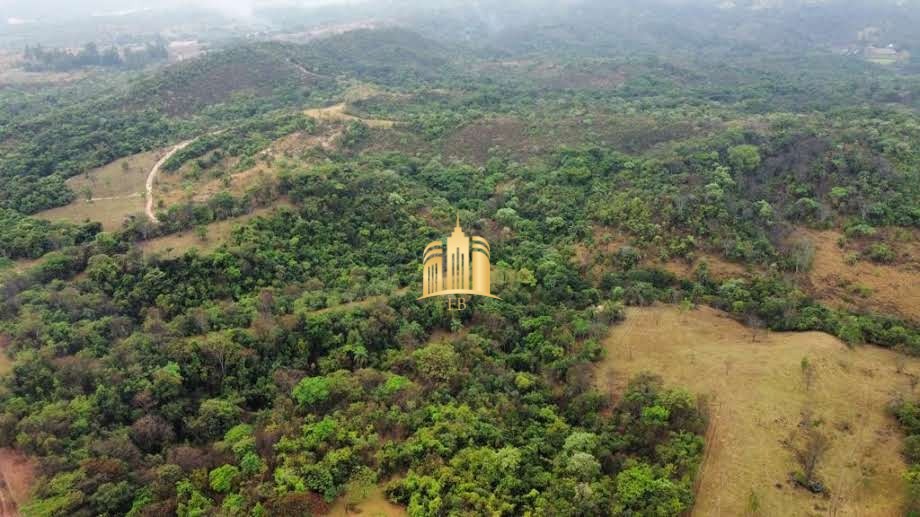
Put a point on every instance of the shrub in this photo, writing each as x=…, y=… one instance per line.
x=880, y=253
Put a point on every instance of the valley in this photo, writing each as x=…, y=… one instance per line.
x=703, y=226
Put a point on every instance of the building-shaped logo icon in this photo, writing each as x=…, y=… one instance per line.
x=458, y=264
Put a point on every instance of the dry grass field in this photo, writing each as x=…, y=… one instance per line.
x=374, y=505
x=757, y=397
x=337, y=113
x=123, y=177
x=173, y=187
x=863, y=284
x=117, y=191
x=110, y=212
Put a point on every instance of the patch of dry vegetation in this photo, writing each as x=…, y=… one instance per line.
x=123, y=177
x=372, y=503
x=110, y=212
x=12, y=73
x=840, y=278
x=760, y=391
x=339, y=113
x=526, y=138
x=215, y=234
x=599, y=258
x=587, y=75
x=107, y=194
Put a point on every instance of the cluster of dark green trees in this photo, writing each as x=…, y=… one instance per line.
x=27, y=237
x=39, y=59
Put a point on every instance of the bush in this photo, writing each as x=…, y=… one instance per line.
x=912, y=448
x=881, y=253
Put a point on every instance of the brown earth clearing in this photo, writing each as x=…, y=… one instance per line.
x=110, y=212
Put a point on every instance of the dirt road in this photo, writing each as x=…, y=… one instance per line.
x=153, y=175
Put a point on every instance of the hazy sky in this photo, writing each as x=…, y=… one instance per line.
x=31, y=9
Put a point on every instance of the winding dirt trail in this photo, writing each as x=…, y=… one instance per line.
x=153, y=176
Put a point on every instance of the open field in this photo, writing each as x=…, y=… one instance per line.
x=374, y=505
x=110, y=212
x=757, y=397
x=337, y=113
x=865, y=285
x=116, y=189
x=123, y=177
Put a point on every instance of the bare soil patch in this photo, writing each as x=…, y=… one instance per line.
x=719, y=268
x=757, y=395
x=17, y=475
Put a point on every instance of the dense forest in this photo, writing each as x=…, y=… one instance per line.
x=291, y=365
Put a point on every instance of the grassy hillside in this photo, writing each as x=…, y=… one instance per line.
x=759, y=398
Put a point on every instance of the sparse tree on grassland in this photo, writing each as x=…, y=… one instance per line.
x=808, y=446
x=809, y=373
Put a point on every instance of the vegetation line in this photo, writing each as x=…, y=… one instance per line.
x=111, y=198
